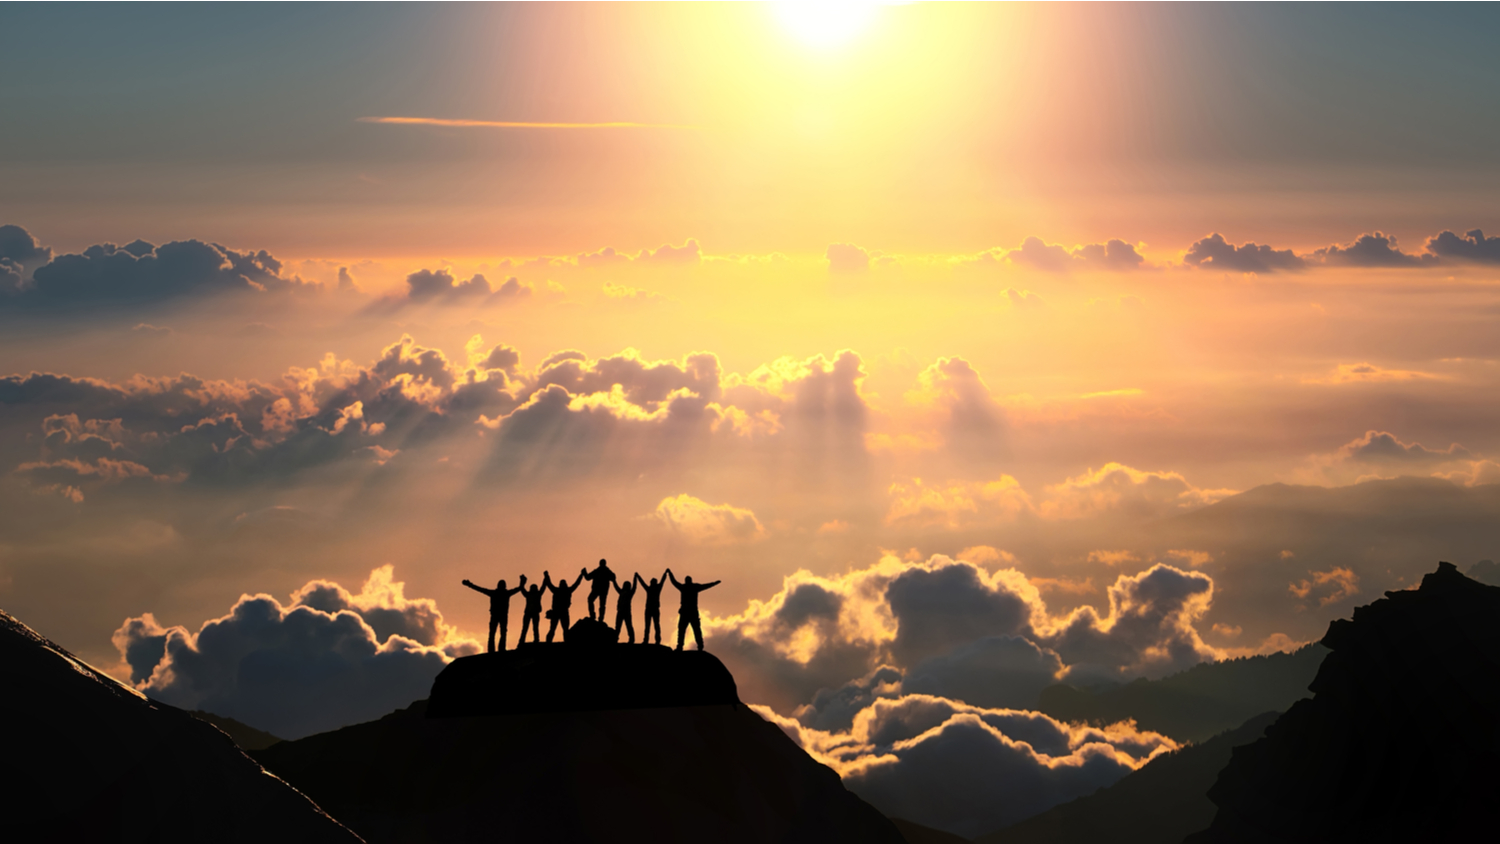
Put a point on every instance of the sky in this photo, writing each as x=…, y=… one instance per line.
x=973, y=348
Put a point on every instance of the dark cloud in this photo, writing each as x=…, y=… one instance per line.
x=995, y=671
x=1213, y=252
x=834, y=709
x=136, y=273
x=971, y=770
x=847, y=258
x=1473, y=246
x=21, y=250
x=325, y=660
x=1149, y=629
x=1371, y=250
x=1383, y=447
x=440, y=286
x=1115, y=256
x=942, y=608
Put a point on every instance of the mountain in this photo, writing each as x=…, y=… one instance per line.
x=90, y=759
x=1198, y=703
x=1159, y=804
x=244, y=735
x=1398, y=742
x=580, y=772
x=915, y=833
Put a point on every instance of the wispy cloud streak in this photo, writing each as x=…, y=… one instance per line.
x=510, y=124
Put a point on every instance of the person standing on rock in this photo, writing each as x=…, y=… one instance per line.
x=602, y=578
x=622, y=608
x=687, y=613
x=653, y=607
x=532, y=613
x=562, y=601
x=499, y=608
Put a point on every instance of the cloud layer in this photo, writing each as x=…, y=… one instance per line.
x=325, y=659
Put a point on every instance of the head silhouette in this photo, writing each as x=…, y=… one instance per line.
x=688, y=579
x=501, y=584
x=603, y=565
x=653, y=581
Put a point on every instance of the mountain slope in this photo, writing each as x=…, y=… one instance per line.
x=658, y=773
x=1159, y=804
x=1400, y=739
x=89, y=759
x=1198, y=703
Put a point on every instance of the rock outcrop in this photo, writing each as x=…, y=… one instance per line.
x=89, y=759
x=1401, y=739
x=585, y=673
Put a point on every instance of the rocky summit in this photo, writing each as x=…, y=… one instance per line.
x=589, y=671
x=1398, y=742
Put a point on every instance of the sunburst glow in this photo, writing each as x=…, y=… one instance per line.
x=826, y=25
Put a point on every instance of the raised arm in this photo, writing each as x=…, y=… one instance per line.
x=703, y=586
x=547, y=582
x=637, y=579
x=582, y=573
x=674, y=579
x=479, y=588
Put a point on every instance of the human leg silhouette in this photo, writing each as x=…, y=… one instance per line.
x=536, y=628
x=552, y=628
x=652, y=618
x=493, y=621
x=697, y=632
x=503, y=625
x=682, y=625
x=592, y=598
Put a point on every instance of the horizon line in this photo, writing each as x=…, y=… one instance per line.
x=511, y=124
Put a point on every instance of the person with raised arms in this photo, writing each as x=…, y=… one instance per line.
x=653, y=607
x=687, y=613
x=626, y=591
x=500, y=608
x=562, y=601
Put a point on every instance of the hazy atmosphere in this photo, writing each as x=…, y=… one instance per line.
x=973, y=348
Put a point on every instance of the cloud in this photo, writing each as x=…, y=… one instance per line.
x=149, y=330
x=20, y=253
x=1384, y=447
x=847, y=258
x=464, y=123
x=936, y=619
x=326, y=659
x=914, y=502
x=975, y=424
x=1331, y=586
x=1352, y=373
x=1114, y=255
x=699, y=522
x=687, y=254
x=1022, y=298
x=440, y=286
x=1213, y=252
x=605, y=257
x=1371, y=250
x=624, y=292
x=1473, y=246
x=1121, y=489
x=993, y=671
x=136, y=273
x=968, y=769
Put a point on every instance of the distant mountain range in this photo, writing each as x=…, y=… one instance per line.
x=1159, y=804
x=1198, y=703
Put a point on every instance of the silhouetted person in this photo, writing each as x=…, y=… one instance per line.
x=499, y=608
x=602, y=577
x=562, y=601
x=653, y=607
x=687, y=613
x=622, y=609
x=532, y=615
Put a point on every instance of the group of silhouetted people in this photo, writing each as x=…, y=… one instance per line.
x=601, y=579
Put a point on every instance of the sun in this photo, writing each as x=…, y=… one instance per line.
x=826, y=24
